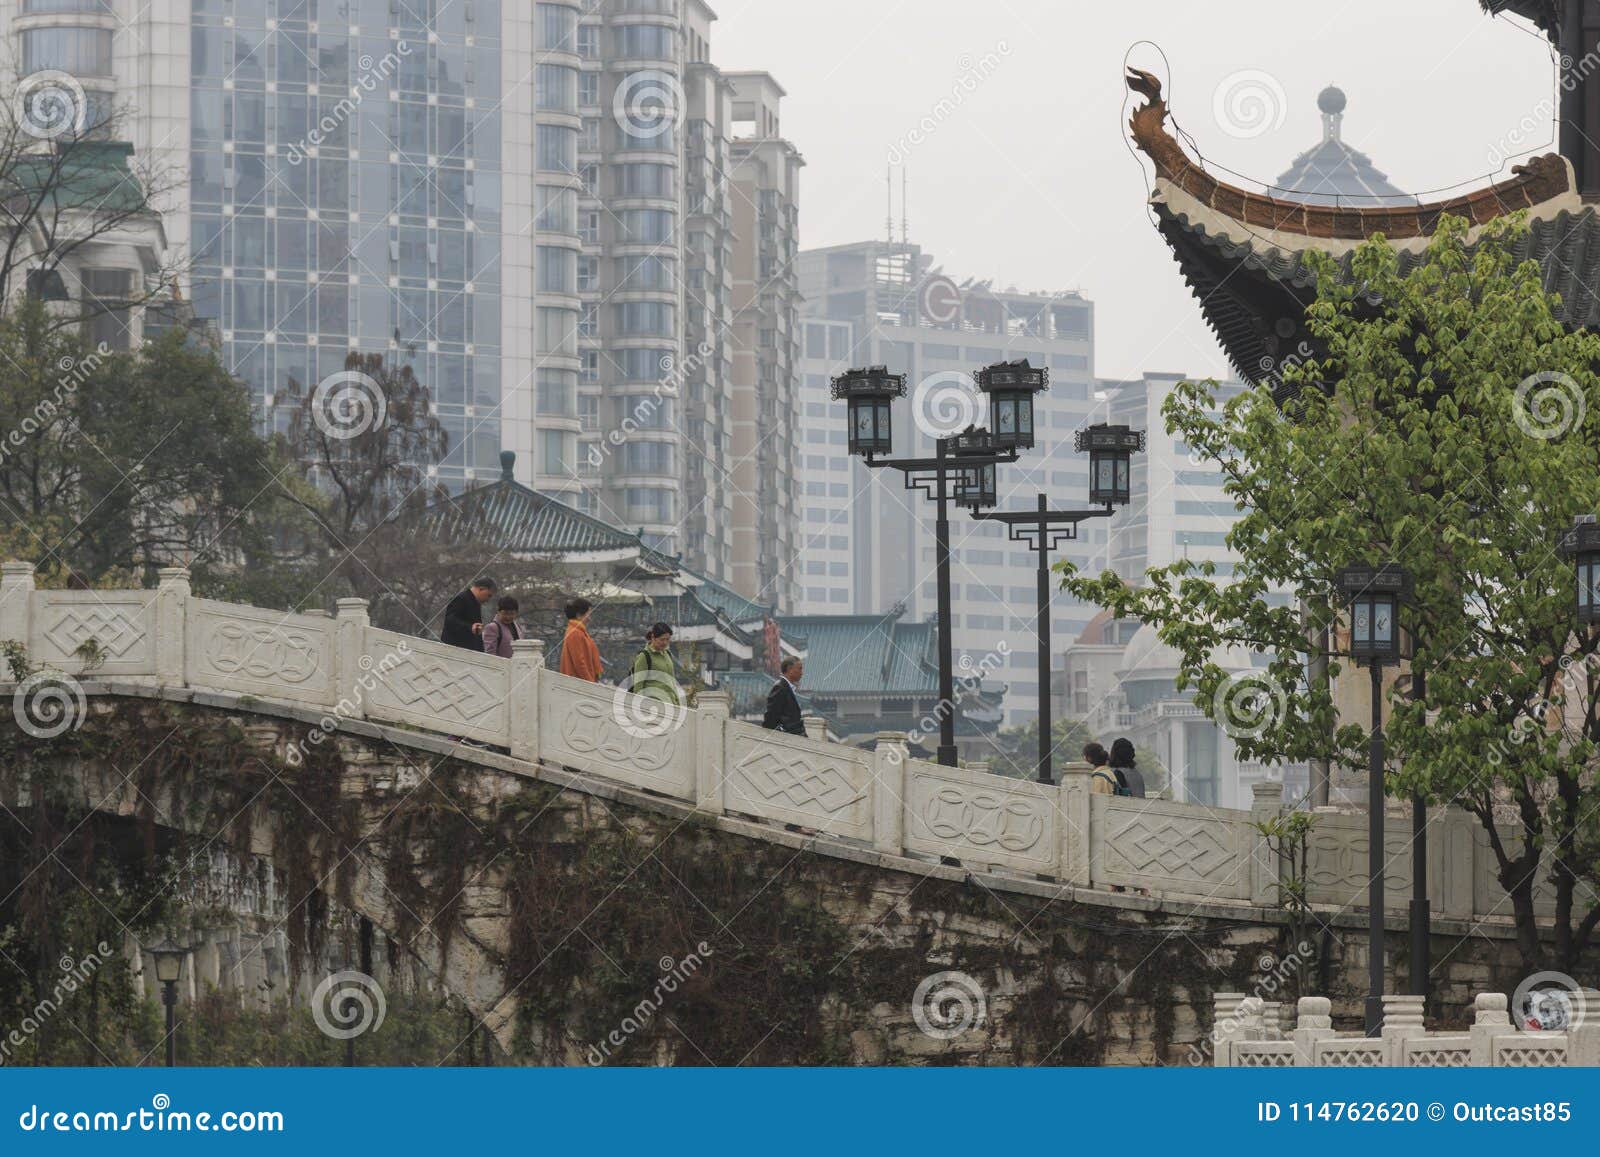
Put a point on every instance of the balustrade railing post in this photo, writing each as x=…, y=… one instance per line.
x=16, y=601
x=1402, y=1021
x=709, y=718
x=1226, y=1024
x=1313, y=1023
x=1076, y=854
x=172, y=609
x=1583, y=1038
x=350, y=626
x=1267, y=867
x=522, y=694
x=889, y=757
x=816, y=727
x=1489, y=1020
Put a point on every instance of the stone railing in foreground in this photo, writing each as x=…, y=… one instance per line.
x=1248, y=1032
x=342, y=668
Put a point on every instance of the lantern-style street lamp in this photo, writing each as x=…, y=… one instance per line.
x=1011, y=387
x=1582, y=545
x=169, y=970
x=869, y=393
x=962, y=471
x=1373, y=595
x=975, y=485
x=1111, y=450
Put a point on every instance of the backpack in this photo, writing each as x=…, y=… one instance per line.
x=1119, y=784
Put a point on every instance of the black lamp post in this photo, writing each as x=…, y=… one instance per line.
x=1043, y=529
x=961, y=471
x=1373, y=595
x=1110, y=461
x=169, y=968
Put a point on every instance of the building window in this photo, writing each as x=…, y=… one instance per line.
x=555, y=88
x=79, y=51
x=558, y=25
x=558, y=269
x=557, y=148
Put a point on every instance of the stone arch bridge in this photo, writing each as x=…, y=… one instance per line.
x=1003, y=857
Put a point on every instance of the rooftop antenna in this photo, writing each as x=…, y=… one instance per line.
x=905, y=225
x=888, y=200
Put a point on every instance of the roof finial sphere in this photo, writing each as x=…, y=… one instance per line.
x=1331, y=100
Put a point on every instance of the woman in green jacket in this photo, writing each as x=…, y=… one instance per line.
x=654, y=672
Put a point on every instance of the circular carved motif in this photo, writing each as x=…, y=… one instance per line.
x=259, y=651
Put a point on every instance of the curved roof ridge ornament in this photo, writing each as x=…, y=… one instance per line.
x=1545, y=185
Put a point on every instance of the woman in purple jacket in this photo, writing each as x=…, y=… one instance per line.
x=500, y=631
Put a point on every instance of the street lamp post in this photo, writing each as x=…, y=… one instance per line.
x=962, y=470
x=1110, y=452
x=169, y=968
x=1374, y=595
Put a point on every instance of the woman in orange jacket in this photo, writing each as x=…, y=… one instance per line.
x=580, y=658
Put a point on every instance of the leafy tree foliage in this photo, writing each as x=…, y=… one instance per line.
x=1451, y=424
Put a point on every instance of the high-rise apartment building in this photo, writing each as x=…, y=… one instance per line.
x=765, y=172
x=868, y=543
x=531, y=205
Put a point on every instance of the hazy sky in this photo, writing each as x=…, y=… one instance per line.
x=1029, y=179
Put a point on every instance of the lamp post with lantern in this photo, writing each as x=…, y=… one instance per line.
x=961, y=471
x=1374, y=595
x=1111, y=449
x=169, y=969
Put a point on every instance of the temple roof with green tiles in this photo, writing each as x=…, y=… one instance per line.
x=94, y=175
x=870, y=673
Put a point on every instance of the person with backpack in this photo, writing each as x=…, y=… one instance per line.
x=1126, y=770
x=1101, y=781
x=502, y=630
x=655, y=674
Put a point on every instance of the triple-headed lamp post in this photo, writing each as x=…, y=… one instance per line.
x=1111, y=449
x=962, y=471
x=1374, y=594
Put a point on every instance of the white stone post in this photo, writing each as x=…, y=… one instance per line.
x=1583, y=1041
x=712, y=709
x=816, y=727
x=1489, y=1020
x=1402, y=1021
x=889, y=758
x=522, y=696
x=172, y=609
x=1225, y=1026
x=1314, y=1023
x=1450, y=852
x=1075, y=856
x=16, y=600
x=350, y=640
x=1266, y=865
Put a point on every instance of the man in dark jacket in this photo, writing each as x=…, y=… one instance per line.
x=783, y=701
x=463, y=618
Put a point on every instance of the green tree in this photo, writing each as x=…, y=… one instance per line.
x=1452, y=426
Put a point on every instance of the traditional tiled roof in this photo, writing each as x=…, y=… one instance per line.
x=1245, y=255
x=1333, y=173
x=80, y=174
x=1546, y=14
x=523, y=521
